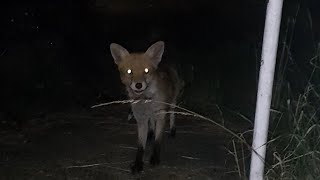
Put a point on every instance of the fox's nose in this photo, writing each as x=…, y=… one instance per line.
x=138, y=85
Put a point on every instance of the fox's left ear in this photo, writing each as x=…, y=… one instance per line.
x=155, y=52
x=118, y=52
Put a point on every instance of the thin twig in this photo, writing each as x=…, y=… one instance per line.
x=97, y=164
x=192, y=158
x=221, y=114
x=117, y=168
x=4, y=52
x=128, y=147
x=236, y=158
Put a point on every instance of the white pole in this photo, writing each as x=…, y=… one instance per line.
x=264, y=96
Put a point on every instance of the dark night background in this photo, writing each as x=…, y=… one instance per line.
x=55, y=58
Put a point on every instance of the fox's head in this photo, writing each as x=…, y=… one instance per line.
x=137, y=69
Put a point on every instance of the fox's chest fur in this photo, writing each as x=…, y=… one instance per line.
x=163, y=88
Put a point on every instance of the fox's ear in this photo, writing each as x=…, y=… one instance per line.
x=118, y=52
x=155, y=52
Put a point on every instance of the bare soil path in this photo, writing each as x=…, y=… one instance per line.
x=101, y=145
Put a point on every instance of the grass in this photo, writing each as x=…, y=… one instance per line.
x=294, y=151
x=293, y=148
x=295, y=154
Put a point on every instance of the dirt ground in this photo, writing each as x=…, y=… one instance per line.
x=101, y=144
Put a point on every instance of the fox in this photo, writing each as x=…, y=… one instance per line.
x=145, y=78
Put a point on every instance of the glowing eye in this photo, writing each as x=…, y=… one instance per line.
x=146, y=70
x=129, y=71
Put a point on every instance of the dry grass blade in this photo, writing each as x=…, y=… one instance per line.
x=97, y=164
x=236, y=159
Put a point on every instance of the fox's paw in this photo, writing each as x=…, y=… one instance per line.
x=136, y=167
x=155, y=160
x=155, y=157
x=150, y=137
x=172, y=132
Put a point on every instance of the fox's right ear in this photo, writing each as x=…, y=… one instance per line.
x=118, y=52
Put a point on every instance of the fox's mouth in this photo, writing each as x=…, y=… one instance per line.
x=138, y=91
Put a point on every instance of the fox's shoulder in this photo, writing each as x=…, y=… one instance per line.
x=167, y=72
x=169, y=75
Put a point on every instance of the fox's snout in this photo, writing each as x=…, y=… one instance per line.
x=138, y=87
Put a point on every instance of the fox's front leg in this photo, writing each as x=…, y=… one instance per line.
x=142, y=138
x=172, y=123
x=159, y=128
x=150, y=137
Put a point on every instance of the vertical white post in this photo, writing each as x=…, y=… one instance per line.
x=264, y=96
